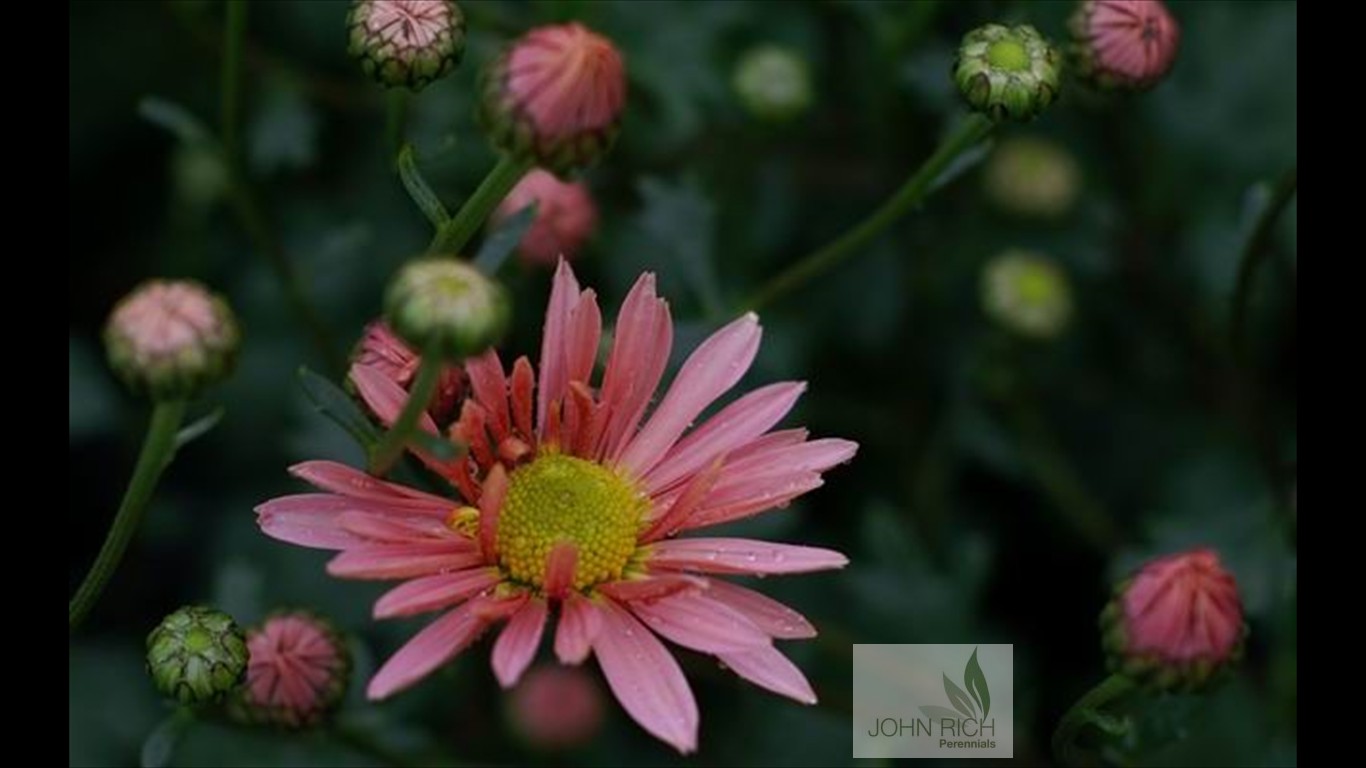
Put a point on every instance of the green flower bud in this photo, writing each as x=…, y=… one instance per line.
x=773, y=83
x=446, y=304
x=171, y=339
x=1027, y=293
x=407, y=43
x=196, y=655
x=1032, y=177
x=1007, y=72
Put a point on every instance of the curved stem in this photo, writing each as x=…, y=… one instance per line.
x=157, y=449
x=1084, y=712
x=911, y=193
x=1255, y=252
x=456, y=233
x=396, y=119
x=391, y=446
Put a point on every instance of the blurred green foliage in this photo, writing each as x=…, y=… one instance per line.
x=972, y=443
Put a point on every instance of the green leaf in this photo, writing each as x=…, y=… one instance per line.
x=198, y=428
x=178, y=120
x=960, y=165
x=501, y=242
x=957, y=698
x=332, y=402
x=976, y=683
x=418, y=188
x=160, y=745
x=439, y=448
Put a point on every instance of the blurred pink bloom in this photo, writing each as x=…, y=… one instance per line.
x=1130, y=43
x=1183, y=608
x=557, y=707
x=298, y=669
x=565, y=216
x=382, y=351
x=572, y=494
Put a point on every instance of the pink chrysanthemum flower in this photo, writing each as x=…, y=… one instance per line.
x=557, y=707
x=1177, y=620
x=1125, y=43
x=298, y=670
x=571, y=499
x=565, y=216
x=381, y=350
x=556, y=95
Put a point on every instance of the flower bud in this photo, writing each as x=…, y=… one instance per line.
x=298, y=672
x=170, y=339
x=382, y=350
x=565, y=217
x=1123, y=44
x=1027, y=293
x=1176, y=622
x=557, y=707
x=196, y=655
x=1007, y=72
x=1032, y=178
x=773, y=83
x=407, y=43
x=447, y=305
x=555, y=96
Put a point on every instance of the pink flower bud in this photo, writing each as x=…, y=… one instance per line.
x=557, y=707
x=170, y=339
x=1176, y=621
x=565, y=216
x=555, y=95
x=298, y=671
x=1124, y=44
x=381, y=349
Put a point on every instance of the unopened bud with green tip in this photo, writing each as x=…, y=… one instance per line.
x=171, y=338
x=448, y=306
x=197, y=655
x=407, y=43
x=1007, y=72
x=773, y=83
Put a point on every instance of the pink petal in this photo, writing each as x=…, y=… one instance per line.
x=766, y=613
x=436, y=644
x=348, y=481
x=640, y=352
x=564, y=293
x=580, y=622
x=517, y=644
x=490, y=388
x=560, y=566
x=756, y=496
x=387, y=399
x=768, y=668
x=307, y=520
x=398, y=530
x=684, y=505
x=432, y=593
x=520, y=395
x=652, y=587
x=735, y=425
x=711, y=370
x=490, y=505
x=401, y=561
x=780, y=460
x=694, y=621
x=581, y=343
x=646, y=679
x=742, y=556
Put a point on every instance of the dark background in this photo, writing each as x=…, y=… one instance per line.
x=974, y=445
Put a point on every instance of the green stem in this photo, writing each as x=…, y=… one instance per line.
x=244, y=200
x=1059, y=479
x=456, y=233
x=911, y=193
x=157, y=450
x=1255, y=252
x=396, y=119
x=390, y=447
x=234, y=40
x=1084, y=712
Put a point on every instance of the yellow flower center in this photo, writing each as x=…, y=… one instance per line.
x=1038, y=286
x=1009, y=55
x=559, y=498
